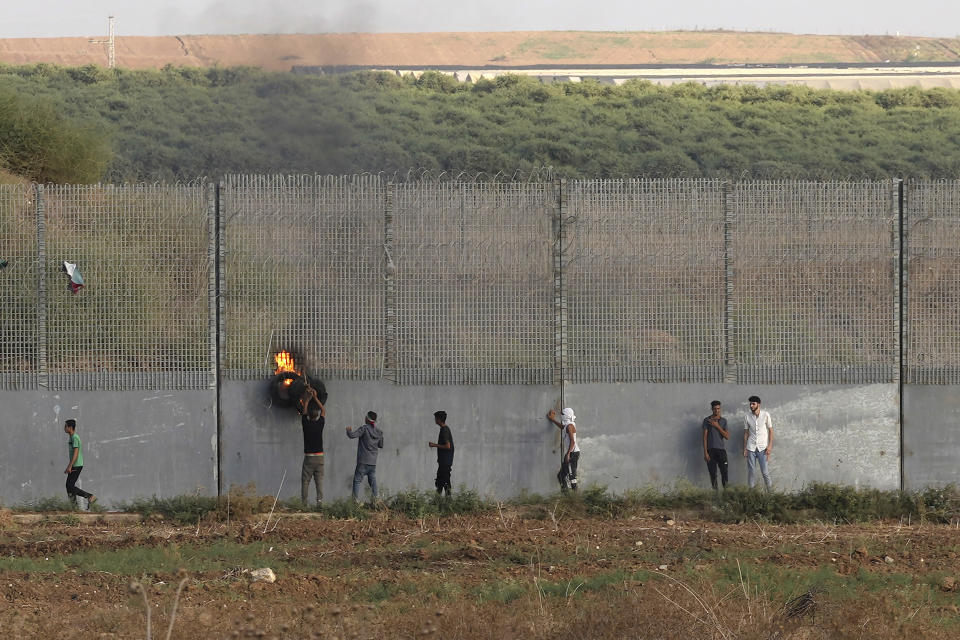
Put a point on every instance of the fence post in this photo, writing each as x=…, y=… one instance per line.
x=899, y=203
x=215, y=310
x=41, y=210
x=729, y=355
x=390, y=290
x=559, y=292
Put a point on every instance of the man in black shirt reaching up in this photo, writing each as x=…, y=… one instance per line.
x=313, y=421
x=444, y=447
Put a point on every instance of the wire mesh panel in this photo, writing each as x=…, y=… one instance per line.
x=142, y=318
x=933, y=282
x=304, y=274
x=644, y=279
x=474, y=282
x=815, y=282
x=19, y=288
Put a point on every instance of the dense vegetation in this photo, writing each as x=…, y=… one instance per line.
x=37, y=142
x=180, y=123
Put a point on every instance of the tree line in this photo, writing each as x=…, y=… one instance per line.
x=90, y=123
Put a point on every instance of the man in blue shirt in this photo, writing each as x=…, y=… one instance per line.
x=368, y=446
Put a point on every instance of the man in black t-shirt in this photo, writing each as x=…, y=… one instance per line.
x=313, y=421
x=444, y=447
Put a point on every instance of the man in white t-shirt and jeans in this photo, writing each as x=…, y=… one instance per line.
x=757, y=442
x=570, y=448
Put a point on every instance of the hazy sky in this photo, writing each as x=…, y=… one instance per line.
x=53, y=18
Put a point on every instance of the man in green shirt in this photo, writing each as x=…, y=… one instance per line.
x=75, y=465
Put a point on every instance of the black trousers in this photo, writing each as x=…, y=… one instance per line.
x=72, y=490
x=443, y=477
x=718, y=459
x=569, y=470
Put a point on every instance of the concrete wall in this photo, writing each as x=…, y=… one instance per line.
x=632, y=434
x=134, y=443
x=931, y=435
x=636, y=434
x=503, y=442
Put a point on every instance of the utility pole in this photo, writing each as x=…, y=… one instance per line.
x=111, y=51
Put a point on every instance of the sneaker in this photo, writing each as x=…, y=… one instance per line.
x=91, y=500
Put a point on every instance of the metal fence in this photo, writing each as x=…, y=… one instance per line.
x=19, y=287
x=814, y=285
x=141, y=320
x=643, y=274
x=434, y=281
x=932, y=282
x=474, y=282
x=303, y=272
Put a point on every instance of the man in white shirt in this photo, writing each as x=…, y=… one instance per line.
x=757, y=442
x=570, y=448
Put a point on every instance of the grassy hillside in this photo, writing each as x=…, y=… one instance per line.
x=184, y=123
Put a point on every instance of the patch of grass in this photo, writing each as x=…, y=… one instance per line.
x=240, y=502
x=579, y=584
x=502, y=591
x=819, y=501
x=147, y=560
x=44, y=505
x=419, y=504
x=446, y=591
x=179, y=509
x=26, y=564
x=344, y=509
x=379, y=592
x=383, y=590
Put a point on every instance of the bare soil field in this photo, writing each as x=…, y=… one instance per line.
x=522, y=572
x=506, y=49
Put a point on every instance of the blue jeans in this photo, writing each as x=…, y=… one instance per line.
x=754, y=458
x=368, y=470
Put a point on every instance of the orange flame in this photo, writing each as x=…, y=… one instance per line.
x=284, y=362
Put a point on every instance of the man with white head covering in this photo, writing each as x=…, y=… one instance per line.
x=570, y=448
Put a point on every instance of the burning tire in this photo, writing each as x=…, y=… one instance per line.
x=287, y=387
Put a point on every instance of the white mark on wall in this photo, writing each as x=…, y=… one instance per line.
x=850, y=435
x=169, y=395
x=139, y=435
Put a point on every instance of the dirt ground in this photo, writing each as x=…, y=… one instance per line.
x=518, y=573
x=282, y=52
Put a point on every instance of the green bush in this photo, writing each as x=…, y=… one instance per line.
x=37, y=142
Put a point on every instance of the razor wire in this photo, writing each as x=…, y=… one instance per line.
x=814, y=292
x=932, y=252
x=303, y=273
x=643, y=276
x=142, y=318
x=19, y=288
x=474, y=282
